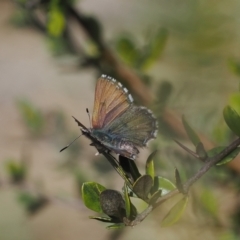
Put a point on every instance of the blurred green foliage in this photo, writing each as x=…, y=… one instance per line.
x=32, y=117
x=16, y=170
x=32, y=202
x=141, y=58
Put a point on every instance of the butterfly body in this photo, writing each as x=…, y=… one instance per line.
x=117, y=124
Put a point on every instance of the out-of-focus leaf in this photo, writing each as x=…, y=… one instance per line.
x=56, y=21
x=16, y=170
x=228, y=235
x=225, y=160
x=32, y=203
x=94, y=28
x=190, y=132
x=127, y=50
x=150, y=165
x=163, y=93
x=127, y=201
x=21, y=18
x=143, y=186
x=209, y=202
x=234, y=66
x=154, y=50
x=178, y=181
x=32, y=116
x=234, y=101
x=232, y=119
x=201, y=152
x=116, y=226
x=175, y=213
x=161, y=183
x=58, y=46
x=90, y=195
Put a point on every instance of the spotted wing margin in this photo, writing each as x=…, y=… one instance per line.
x=136, y=125
x=111, y=100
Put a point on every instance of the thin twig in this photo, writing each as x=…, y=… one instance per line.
x=210, y=162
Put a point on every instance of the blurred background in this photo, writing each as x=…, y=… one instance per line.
x=176, y=57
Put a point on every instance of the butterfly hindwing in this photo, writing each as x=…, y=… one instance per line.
x=137, y=125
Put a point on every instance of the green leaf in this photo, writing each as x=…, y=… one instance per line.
x=32, y=202
x=116, y=226
x=143, y=186
x=190, y=132
x=154, y=50
x=127, y=201
x=155, y=197
x=175, y=213
x=234, y=66
x=90, y=195
x=102, y=219
x=32, y=116
x=200, y=150
x=16, y=170
x=228, y=158
x=234, y=101
x=150, y=165
x=56, y=21
x=163, y=184
x=232, y=119
x=178, y=181
x=127, y=50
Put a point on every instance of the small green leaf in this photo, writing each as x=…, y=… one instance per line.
x=161, y=183
x=90, y=195
x=234, y=66
x=190, y=132
x=32, y=202
x=32, y=116
x=127, y=201
x=201, y=152
x=234, y=101
x=116, y=226
x=127, y=50
x=178, y=181
x=102, y=219
x=175, y=212
x=143, y=186
x=155, y=197
x=153, y=51
x=150, y=165
x=56, y=21
x=16, y=170
x=232, y=119
x=225, y=160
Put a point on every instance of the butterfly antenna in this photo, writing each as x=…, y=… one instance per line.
x=89, y=117
x=70, y=143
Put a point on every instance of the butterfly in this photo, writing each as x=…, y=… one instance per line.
x=117, y=124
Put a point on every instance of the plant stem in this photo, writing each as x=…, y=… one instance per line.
x=210, y=162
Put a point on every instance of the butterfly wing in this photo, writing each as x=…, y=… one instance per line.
x=111, y=100
x=137, y=125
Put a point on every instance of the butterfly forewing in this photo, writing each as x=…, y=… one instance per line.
x=111, y=100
